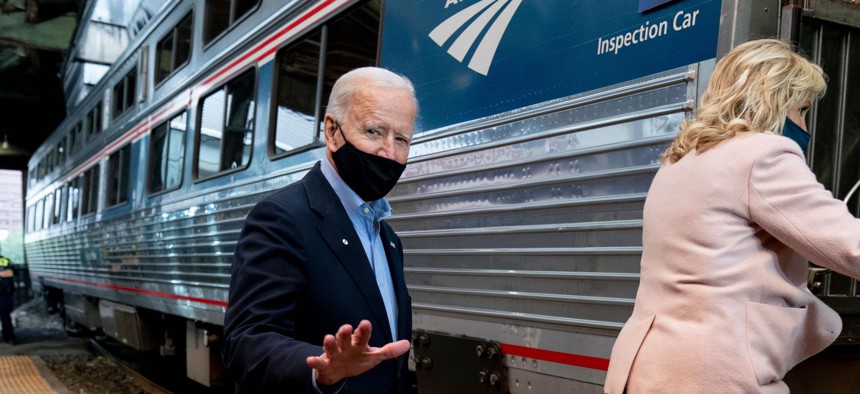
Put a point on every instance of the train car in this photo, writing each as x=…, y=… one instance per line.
x=541, y=126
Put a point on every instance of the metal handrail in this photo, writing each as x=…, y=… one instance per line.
x=816, y=279
x=851, y=192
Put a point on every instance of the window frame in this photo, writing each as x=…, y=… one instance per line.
x=48, y=210
x=209, y=41
x=195, y=177
x=319, y=115
x=59, y=205
x=61, y=151
x=129, y=79
x=94, y=121
x=174, y=35
x=73, y=213
x=113, y=196
x=30, y=226
x=150, y=152
x=89, y=189
x=272, y=134
x=39, y=221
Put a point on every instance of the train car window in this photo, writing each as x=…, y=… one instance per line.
x=118, y=98
x=31, y=218
x=295, y=104
x=57, y=215
x=49, y=210
x=350, y=42
x=130, y=88
x=72, y=135
x=119, y=175
x=94, y=120
x=61, y=151
x=28, y=226
x=74, y=200
x=40, y=205
x=221, y=14
x=124, y=92
x=80, y=134
x=173, y=50
x=49, y=161
x=90, y=191
x=226, y=127
x=167, y=154
x=84, y=135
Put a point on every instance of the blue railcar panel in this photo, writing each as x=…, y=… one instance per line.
x=546, y=49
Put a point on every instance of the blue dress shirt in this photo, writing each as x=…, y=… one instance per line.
x=365, y=218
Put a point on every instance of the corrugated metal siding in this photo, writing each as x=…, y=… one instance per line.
x=535, y=217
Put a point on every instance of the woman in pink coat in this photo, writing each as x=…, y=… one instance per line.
x=730, y=221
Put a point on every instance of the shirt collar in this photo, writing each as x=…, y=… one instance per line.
x=349, y=199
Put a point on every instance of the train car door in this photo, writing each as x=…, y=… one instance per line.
x=829, y=33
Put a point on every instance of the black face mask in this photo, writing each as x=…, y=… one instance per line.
x=370, y=176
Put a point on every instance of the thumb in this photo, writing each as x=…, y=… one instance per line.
x=395, y=349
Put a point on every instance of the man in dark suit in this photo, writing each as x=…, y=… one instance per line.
x=318, y=302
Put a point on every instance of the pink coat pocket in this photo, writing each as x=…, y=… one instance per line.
x=773, y=333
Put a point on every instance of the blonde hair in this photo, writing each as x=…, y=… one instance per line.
x=752, y=88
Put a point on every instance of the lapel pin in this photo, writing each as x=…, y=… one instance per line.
x=345, y=242
x=392, y=245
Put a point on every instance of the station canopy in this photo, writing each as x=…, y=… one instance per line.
x=52, y=52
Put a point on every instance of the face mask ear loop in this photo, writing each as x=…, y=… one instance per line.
x=336, y=123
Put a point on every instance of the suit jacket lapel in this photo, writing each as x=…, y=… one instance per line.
x=393, y=251
x=337, y=231
x=395, y=265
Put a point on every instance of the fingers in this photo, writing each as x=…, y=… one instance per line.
x=344, y=336
x=315, y=362
x=361, y=337
x=330, y=346
x=393, y=349
x=347, y=353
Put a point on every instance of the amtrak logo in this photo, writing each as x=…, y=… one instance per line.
x=485, y=10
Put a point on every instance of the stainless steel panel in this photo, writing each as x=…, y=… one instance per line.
x=526, y=228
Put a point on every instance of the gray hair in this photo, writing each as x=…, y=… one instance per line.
x=346, y=85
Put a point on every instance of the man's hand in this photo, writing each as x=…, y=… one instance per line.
x=347, y=354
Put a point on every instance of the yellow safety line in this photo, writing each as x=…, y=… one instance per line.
x=19, y=375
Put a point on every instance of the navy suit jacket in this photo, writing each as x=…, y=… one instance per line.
x=300, y=272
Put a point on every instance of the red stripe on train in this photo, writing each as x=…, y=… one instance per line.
x=141, y=291
x=576, y=360
x=228, y=70
x=274, y=37
x=601, y=364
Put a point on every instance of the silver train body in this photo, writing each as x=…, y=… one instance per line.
x=522, y=230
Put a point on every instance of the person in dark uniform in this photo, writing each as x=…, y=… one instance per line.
x=7, y=288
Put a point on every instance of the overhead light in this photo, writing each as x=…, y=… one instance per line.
x=5, y=144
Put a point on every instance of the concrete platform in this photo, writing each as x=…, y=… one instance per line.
x=39, y=337
x=28, y=375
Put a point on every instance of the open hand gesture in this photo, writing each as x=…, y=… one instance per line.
x=347, y=354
